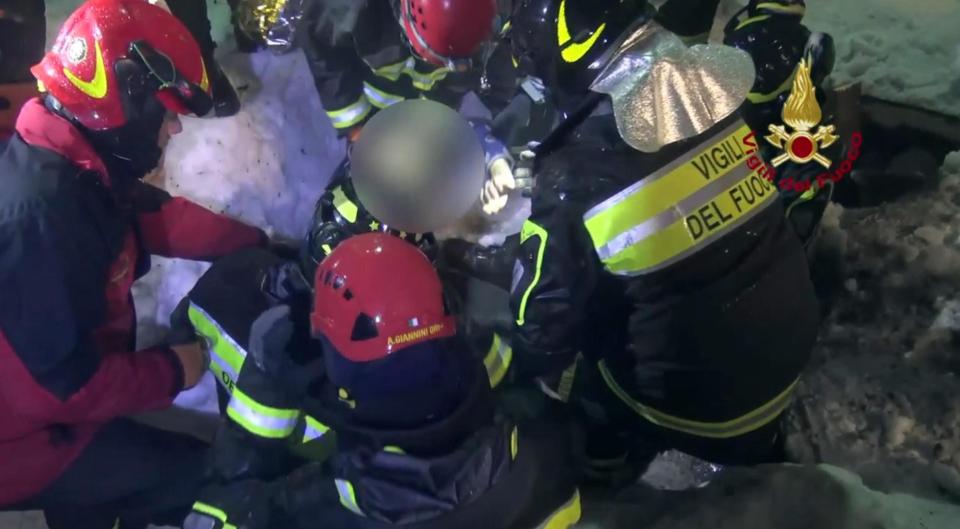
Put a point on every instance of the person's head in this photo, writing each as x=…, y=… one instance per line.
x=379, y=310
x=567, y=43
x=121, y=70
x=447, y=33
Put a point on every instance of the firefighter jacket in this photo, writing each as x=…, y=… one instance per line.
x=224, y=308
x=70, y=249
x=340, y=215
x=674, y=270
x=282, y=412
x=469, y=469
x=370, y=66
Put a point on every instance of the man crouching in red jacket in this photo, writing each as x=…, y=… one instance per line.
x=77, y=227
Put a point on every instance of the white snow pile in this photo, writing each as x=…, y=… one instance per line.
x=902, y=51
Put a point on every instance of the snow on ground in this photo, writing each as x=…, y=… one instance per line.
x=881, y=396
x=903, y=51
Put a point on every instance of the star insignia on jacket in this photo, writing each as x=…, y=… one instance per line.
x=802, y=112
x=374, y=225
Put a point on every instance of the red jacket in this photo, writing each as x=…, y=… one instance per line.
x=69, y=253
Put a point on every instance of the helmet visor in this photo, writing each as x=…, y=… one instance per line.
x=174, y=90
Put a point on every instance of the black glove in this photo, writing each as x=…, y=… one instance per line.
x=181, y=328
x=244, y=505
x=285, y=248
x=285, y=354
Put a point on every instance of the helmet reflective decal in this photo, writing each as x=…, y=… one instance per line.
x=572, y=51
x=96, y=87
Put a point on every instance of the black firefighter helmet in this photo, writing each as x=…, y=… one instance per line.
x=567, y=43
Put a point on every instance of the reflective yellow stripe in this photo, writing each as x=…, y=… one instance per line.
x=678, y=210
x=344, y=206
x=793, y=9
x=350, y=115
x=667, y=186
x=531, y=229
x=348, y=497
x=714, y=430
x=226, y=355
x=421, y=81
x=393, y=71
x=210, y=510
x=751, y=20
x=758, y=98
x=514, y=443
x=379, y=98
x=261, y=420
x=393, y=450
x=497, y=360
x=326, y=249
x=566, y=516
x=314, y=429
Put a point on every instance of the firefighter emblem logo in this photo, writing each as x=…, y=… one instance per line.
x=77, y=50
x=802, y=113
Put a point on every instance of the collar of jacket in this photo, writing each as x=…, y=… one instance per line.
x=41, y=128
x=476, y=411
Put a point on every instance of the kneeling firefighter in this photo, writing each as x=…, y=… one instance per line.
x=379, y=363
x=658, y=284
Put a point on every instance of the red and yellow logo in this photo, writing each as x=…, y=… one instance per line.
x=802, y=113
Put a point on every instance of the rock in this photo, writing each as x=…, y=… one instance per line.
x=932, y=235
x=896, y=429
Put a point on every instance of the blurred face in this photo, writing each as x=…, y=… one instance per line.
x=171, y=126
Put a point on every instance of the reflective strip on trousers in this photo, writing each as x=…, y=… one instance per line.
x=497, y=360
x=566, y=516
x=314, y=429
x=210, y=510
x=226, y=355
x=379, y=98
x=348, y=497
x=350, y=115
x=744, y=424
x=261, y=420
x=344, y=206
x=683, y=207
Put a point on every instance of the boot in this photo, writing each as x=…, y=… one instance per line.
x=226, y=102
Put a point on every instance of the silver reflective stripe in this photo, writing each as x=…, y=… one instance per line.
x=678, y=211
x=660, y=173
x=314, y=430
x=260, y=423
x=379, y=98
x=347, y=496
x=351, y=115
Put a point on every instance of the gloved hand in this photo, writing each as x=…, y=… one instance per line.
x=524, y=170
x=240, y=505
x=496, y=189
x=500, y=180
x=285, y=248
x=272, y=337
x=181, y=328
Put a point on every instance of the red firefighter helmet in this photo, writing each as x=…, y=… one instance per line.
x=111, y=50
x=376, y=294
x=447, y=32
